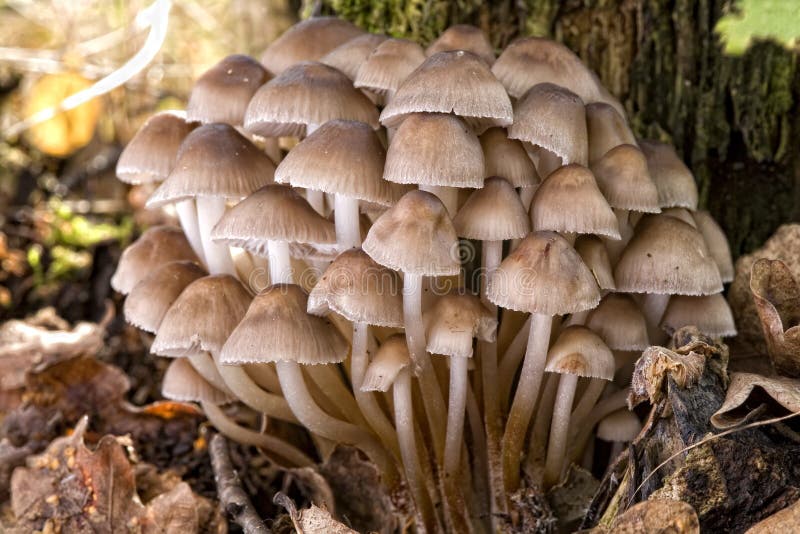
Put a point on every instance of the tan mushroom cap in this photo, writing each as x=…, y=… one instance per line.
x=341, y=157
x=507, y=158
x=579, y=351
x=278, y=328
x=308, y=93
x=453, y=322
x=594, y=254
x=717, y=243
x=673, y=179
x=607, y=129
x=624, y=179
x=570, y=201
x=711, y=314
x=452, y=82
x=620, y=322
x=214, y=161
x=388, y=66
x=182, y=383
x=667, y=256
x=222, y=93
x=150, y=155
x=391, y=358
x=360, y=290
x=622, y=426
x=435, y=149
x=682, y=214
x=532, y=60
x=415, y=236
x=202, y=317
x=307, y=40
x=149, y=300
x=493, y=213
x=348, y=56
x=273, y=213
x=155, y=247
x=544, y=274
x=553, y=118
x=463, y=37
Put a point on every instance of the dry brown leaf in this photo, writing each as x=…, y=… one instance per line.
x=787, y=520
x=313, y=520
x=656, y=516
x=733, y=412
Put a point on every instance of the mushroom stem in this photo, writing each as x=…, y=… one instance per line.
x=232, y=430
x=404, y=421
x=316, y=420
x=433, y=399
x=218, y=257
x=345, y=217
x=204, y=364
x=280, y=263
x=454, y=440
x=265, y=376
x=253, y=396
x=187, y=216
x=366, y=400
x=587, y=401
x=510, y=363
x=530, y=380
x=329, y=381
x=544, y=411
x=653, y=308
x=559, y=429
x=480, y=468
x=448, y=196
x=610, y=404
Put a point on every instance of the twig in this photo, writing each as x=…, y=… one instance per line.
x=233, y=498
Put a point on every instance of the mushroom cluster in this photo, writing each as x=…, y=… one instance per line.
x=330, y=197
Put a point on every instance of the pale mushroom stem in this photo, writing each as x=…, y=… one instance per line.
x=316, y=420
x=280, y=263
x=330, y=383
x=345, y=217
x=366, y=400
x=454, y=441
x=541, y=425
x=480, y=468
x=616, y=449
x=433, y=399
x=610, y=404
x=587, y=400
x=448, y=196
x=218, y=257
x=187, y=216
x=253, y=396
x=653, y=308
x=404, y=421
x=232, y=430
x=205, y=367
x=559, y=429
x=530, y=379
x=509, y=364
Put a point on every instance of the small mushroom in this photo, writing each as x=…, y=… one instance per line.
x=507, y=159
x=717, y=243
x=607, y=129
x=619, y=429
x=348, y=56
x=673, y=179
x=711, y=314
x=387, y=66
x=150, y=156
x=463, y=37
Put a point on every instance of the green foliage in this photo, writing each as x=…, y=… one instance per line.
x=778, y=20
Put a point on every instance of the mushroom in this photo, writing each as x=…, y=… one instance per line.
x=618, y=428
x=546, y=277
x=150, y=156
x=594, y=254
x=387, y=66
x=711, y=314
x=507, y=159
x=717, y=243
x=607, y=129
x=463, y=37
x=348, y=56
x=673, y=179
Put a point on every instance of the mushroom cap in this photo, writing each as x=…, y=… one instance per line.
x=214, y=161
x=717, y=243
x=570, y=201
x=388, y=66
x=150, y=155
x=415, y=236
x=607, y=129
x=156, y=246
x=452, y=82
x=273, y=213
x=622, y=426
x=454, y=320
x=307, y=93
x=360, y=290
x=533, y=60
x=277, y=328
x=348, y=56
x=149, y=300
x=579, y=351
x=507, y=158
x=682, y=214
x=308, y=40
x=391, y=358
x=667, y=256
x=435, y=149
x=342, y=157
x=493, y=213
x=594, y=254
x=182, y=383
x=202, y=317
x=620, y=322
x=711, y=314
x=544, y=274
x=222, y=93
x=673, y=179
x=624, y=179
x=463, y=37
x=553, y=118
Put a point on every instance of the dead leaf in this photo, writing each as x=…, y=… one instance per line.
x=787, y=520
x=743, y=387
x=656, y=516
x=313, y=520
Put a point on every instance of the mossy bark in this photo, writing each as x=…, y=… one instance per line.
x=734, y=119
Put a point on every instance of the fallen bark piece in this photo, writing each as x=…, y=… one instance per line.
x=743, y=404
x=656, y=516
x=787, y=520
